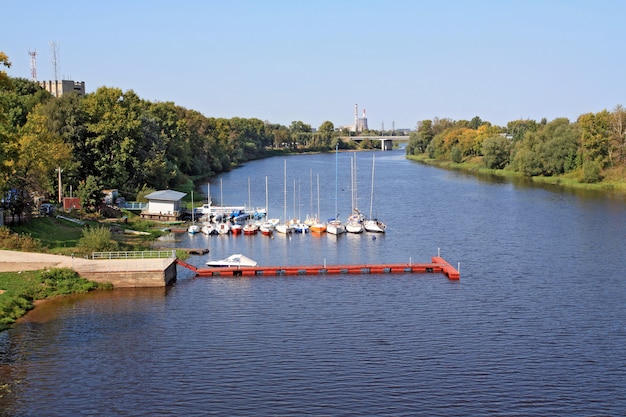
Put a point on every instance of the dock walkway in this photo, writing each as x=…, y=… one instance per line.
x=438, y=265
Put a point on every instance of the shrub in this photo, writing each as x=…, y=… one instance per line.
x=62, y=281
x=15, y=241
x=591, y=172
x=455, y=155
x=97, y=239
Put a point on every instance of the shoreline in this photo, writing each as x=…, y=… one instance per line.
x=561, y=182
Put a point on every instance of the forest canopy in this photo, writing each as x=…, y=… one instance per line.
x=114, y=139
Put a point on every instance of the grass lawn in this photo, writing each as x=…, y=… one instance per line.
x=53, y=233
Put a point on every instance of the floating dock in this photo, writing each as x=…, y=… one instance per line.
x=438, y=265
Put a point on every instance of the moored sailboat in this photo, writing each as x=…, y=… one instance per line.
x=334, y=225
x=373, y=224
x=193, y=228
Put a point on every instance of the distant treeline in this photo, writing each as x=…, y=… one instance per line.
x=588, y=150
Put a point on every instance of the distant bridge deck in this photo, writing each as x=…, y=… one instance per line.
x=438, y=265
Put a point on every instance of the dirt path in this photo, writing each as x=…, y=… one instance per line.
x=14, y=261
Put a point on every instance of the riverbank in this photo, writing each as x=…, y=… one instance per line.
x=614, y=181
x=21, y=291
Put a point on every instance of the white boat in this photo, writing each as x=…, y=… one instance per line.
x=316, y=225
x=354, y=223
x=267, y=228
x=371, y=224
x=236, y=260
x=193, y=228
x=209, y=229
x=374, y=225
x=334, y=225
x=284, y=227
x=223, y=228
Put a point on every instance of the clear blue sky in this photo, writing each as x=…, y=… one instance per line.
x=403, y=61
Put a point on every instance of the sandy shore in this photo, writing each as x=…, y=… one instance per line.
x=14, y=261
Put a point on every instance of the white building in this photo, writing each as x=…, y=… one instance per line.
x=163, y=205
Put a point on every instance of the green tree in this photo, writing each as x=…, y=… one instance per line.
x=6, y=148
x=420, y=139
x=300, y=134
x=595, y=132
x=90, y=193
x=496, y=152
x=617, y=138
x=546, y=151
x=326, y=133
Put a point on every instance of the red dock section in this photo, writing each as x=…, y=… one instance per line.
x=438, y=265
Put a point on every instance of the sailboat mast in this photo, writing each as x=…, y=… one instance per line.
x=267, y=215
x=193, y=219
x=356, y=195
x=318, y=197
x=285, y=194
x=336, y=177
x=372, y=193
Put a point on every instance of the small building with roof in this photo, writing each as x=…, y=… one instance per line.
x=163, y=205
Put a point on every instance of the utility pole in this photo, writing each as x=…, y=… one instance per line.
x=60, y=186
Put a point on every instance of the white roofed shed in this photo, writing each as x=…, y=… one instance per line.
x=164, y=202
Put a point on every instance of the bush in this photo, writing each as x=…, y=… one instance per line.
x=97, y=239
x=455, y=155
x=591, y=172
x=62, y=281
x=15, y=241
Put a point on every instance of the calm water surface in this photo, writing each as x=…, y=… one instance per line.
x=536, y=325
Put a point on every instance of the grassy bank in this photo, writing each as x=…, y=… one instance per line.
x=18, y=291
x=62, y=237
x=614, y=180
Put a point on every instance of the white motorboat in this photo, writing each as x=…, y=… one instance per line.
x=233, y=261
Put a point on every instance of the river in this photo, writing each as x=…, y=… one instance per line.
x=535, y=326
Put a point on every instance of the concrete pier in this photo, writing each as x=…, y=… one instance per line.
x=121, y=269
x=123, y=273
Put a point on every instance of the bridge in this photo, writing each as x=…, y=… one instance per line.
x=386, y=140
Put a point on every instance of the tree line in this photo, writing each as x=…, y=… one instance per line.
x=587, y=150
x=114, y=139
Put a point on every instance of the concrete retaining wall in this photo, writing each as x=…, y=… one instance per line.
x=129, y=273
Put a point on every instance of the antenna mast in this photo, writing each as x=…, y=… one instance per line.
x=55, y=50
x=33, y=65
